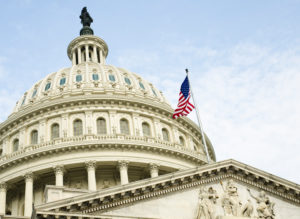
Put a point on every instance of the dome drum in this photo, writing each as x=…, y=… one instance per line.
x=87, y=48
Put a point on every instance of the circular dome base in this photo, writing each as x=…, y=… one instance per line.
x=86, y=31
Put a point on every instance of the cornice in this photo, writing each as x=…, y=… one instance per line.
x=101, y=201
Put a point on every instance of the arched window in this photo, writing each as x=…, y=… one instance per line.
x=34, y=137
x=112, y=78
x=181, y=141
x=101, y=126
x=141, y=85
x=34, y=93
x=24, y=99
x=15, y=145
x=48, y=85
x=54, y=131
x=77, y=127
x=146, y=129
x=62, y=81
x=165, y=134
x=153, y=91
x=124, y=126
x=127, y=80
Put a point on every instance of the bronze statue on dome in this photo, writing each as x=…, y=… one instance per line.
x=86, y=21
x=85, y=17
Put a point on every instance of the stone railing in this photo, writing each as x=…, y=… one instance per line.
x=105, y=139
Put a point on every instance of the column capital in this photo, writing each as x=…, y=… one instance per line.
x=3, y=186
x=153, y=166
x=59, y=169
x=123, y=164
x=28, y=176
x=91, y=164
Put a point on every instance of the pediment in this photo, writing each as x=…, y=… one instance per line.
x=182, y=190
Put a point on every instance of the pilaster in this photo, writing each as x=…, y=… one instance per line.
x=175, y=134
x=157, y=130
x=136, y=126
x=89, y=122
x=64, y=125
x=112, y=121
x=42, y=131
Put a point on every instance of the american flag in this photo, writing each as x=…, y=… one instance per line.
x=184, y=106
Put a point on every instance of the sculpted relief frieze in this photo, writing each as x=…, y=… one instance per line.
x=231, y=203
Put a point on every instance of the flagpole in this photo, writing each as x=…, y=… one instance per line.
x=198, y=118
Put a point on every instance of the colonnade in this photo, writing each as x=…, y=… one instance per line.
x=97, y=54
x=59, y=181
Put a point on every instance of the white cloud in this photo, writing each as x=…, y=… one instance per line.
x=248, y=97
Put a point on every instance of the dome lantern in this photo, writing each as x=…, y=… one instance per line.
x=87, y=47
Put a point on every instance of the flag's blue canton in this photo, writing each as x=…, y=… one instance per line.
x=185, y=88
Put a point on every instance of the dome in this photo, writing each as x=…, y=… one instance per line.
x=92, y=79
x=89, y=127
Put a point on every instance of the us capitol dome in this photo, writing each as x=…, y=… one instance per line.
x=92, y=135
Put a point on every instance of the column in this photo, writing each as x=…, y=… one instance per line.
x=153, y=170
x=79, y=55
x=101, y=57
x=28, y=194
x=73, y=58
x=3, y=190
x=59, y=175
x=91, y=171
x=86, y=53
x=95, y=54
x=123, y=168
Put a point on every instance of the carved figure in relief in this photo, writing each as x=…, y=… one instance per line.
x=230, y=201
x=247, y=209
x=207, y=199
x=265, y=208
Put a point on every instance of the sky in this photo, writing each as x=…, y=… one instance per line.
x=243, y=58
